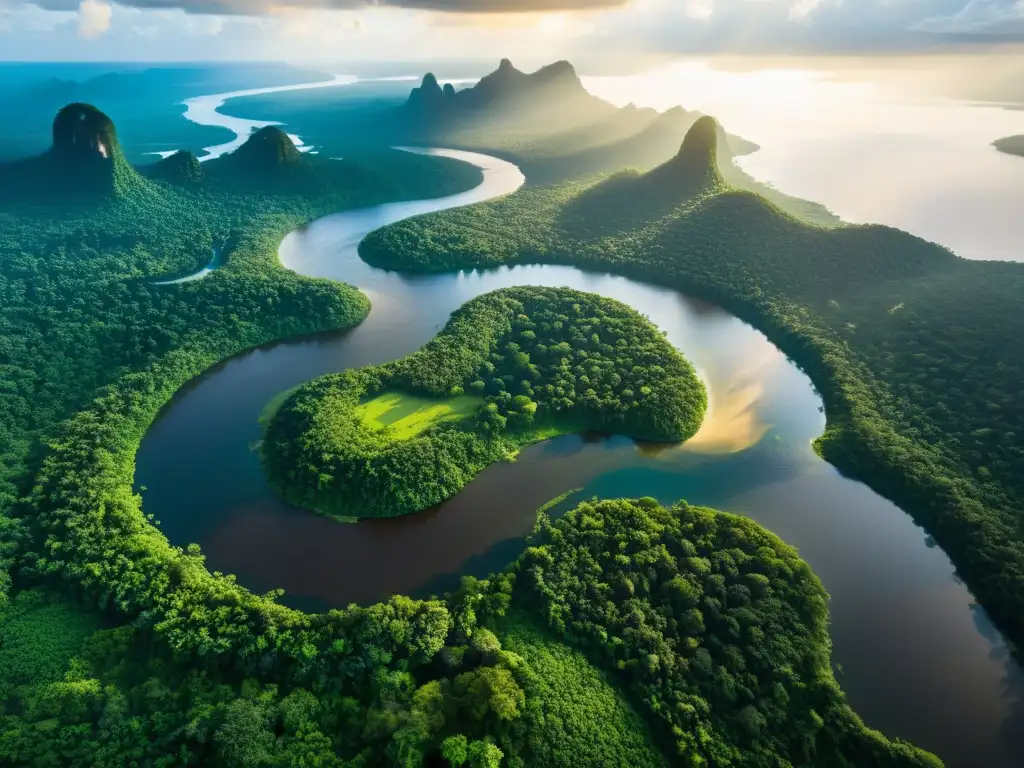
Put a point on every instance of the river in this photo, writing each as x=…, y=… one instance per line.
x=918, y=657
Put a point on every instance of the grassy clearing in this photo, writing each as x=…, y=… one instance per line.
x=410, y=415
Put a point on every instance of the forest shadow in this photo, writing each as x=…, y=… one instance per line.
x=626, y=201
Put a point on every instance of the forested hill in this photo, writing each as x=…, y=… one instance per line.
x=1011, y=145
x=270, y=161
x=85, y=164
x=915, y=351
x=183, y=167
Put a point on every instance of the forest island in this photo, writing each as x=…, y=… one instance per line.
x=510, y=368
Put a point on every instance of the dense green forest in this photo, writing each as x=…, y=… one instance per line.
x=626, y=634
x=1011, y=145
x=78, y=295
x=543, y=361
x=914, y=351
x=76, y=278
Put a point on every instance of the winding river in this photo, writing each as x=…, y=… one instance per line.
x=918, y=658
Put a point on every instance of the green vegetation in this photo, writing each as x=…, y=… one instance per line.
x=627, y=634
x=39, y=635
x=699, y=635
x=581, y=717
x=405, y=416
x=714, y=626
x=77, y=295
x=180, y=168
x=77, y=290
x=1011, y=145
x=525, y=363
x=915, y=351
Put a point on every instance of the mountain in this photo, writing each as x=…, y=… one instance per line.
x=553, y=96
x=267, y=161
x=269, y=148
x=628, y=197
x=546, y=121
x=695, y=166
x=84, y=164
x=181, y=168
x=629, y=138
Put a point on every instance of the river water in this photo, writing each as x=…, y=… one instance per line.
x=918, y=658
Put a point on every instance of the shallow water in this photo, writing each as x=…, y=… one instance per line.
x=919, y=658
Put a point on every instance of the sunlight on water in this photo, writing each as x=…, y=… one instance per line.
x=735, y=420
x=732, y=424
x=924, y=165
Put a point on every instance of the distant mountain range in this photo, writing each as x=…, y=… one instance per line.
x=508, y=95
x=547, y=121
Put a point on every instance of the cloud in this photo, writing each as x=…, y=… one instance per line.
x=93, y=18
x=261, y=7
x=700, y=9
x=979, y=17
x=562, y=28
x=802, y=9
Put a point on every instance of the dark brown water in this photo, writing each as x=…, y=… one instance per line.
x=919, y=658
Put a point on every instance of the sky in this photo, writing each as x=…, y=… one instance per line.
x=337, y=30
